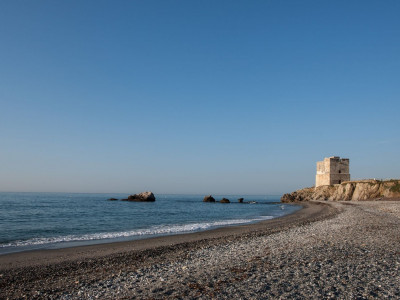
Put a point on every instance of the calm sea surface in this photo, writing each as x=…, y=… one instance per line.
x=55, y=220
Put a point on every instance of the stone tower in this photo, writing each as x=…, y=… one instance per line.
x=332, y=170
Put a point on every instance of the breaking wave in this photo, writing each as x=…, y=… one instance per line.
x=152, y=231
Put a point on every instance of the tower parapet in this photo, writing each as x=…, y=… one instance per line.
x=332, y=170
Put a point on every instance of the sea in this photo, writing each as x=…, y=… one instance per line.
x=33, y=221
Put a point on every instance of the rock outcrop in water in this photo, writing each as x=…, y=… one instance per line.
x=209, y=198
x=348, y=191
x=224, y=200
x=142, y=197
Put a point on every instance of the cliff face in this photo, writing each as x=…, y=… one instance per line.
x=347, y=191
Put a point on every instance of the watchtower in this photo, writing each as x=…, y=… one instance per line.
x=332, y=170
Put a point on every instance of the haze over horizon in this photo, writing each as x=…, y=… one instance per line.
x=221, y=97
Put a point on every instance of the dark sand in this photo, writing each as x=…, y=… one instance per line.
x=325, y=250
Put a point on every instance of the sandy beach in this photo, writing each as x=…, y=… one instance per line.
x=326, y=250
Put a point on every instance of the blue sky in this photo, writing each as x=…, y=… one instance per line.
x=218, y=97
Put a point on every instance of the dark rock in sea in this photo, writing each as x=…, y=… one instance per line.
x=209, y=198
x=142, y=197
x=224, y=200
x=112, y=199
x=240, y=200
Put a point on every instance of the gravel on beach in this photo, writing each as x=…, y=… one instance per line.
x=351, y=251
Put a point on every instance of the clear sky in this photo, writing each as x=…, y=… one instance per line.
x=218, y=97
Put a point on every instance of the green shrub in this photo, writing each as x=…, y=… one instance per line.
x=395, y=188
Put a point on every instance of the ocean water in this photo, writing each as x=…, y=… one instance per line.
x=31, y=221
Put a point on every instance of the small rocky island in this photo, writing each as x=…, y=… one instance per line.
x=142, y=197
x=209, y=198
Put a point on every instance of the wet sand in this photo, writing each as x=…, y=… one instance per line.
x=324, y=250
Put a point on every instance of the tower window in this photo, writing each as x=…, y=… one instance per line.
x=340, y=171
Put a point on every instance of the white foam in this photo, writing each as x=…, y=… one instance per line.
x=155, y=230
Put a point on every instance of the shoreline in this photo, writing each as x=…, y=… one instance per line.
x=325, y=250
x=57, y=226
x=122, y=239
x=35, y=257
x=24, y=272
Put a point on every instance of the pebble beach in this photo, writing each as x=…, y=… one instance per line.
x=327, y=250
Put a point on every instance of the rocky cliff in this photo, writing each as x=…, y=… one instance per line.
x=348, y=191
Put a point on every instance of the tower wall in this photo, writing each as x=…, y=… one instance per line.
x=332, y=170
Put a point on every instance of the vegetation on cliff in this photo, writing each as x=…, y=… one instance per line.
x=348, y=191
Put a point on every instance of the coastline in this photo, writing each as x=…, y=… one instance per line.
x=36, y=257
x=325, y=250
x=27, y=268
x=93, y=220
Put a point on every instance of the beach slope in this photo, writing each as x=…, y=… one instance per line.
x=326, y=250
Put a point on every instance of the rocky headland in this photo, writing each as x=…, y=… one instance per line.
x=348, y=191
